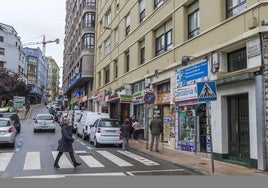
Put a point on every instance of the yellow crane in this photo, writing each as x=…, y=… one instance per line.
x=44, y=42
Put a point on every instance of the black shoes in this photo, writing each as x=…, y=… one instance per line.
x=56, y=166
x=77, y=164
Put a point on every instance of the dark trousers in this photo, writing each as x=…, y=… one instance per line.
x=136, y=134
x=71, y=156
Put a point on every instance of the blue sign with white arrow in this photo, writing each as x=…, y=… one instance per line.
x=206, y=91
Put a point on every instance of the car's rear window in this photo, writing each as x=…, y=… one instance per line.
x=4, y=123
x=105, y=123
x=45, y=117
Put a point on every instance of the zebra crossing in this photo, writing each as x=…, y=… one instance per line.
x=33, y=159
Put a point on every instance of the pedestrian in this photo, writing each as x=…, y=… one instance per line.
x=65, y=143
x=125, y=132
x=131, y=121
x=156, y=128
x=136, y=130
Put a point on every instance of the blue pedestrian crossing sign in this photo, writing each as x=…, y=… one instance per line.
x=206, y=91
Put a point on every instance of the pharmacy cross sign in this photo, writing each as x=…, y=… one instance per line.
x=206, y=91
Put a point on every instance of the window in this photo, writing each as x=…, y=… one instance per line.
x=142, y=52
x=108, y=17
x=127, y=24
x=107, y=46
x=106, y=75
x=163, y=88
x=157, y=3
x=115, y=68
x=193, y=20
x=88, y=3
x=89, y=20
x=99, y=79
x=2, y=51
x=88, y=41
x=2, y=64
x=163, y=40
x=1, y=39
x=142, y=10
x=234, y=7
x=127, y=61
x=139, y=87
x=116, y=36
x=117, y=6
x=237, y=60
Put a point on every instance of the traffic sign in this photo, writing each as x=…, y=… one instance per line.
x=206, y=91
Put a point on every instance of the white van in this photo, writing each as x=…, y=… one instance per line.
x=75, y=116
x=87, y=119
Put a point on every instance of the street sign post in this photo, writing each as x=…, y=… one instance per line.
x=206, y=92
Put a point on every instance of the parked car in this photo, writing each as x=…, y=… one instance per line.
x=61, y=117
x=87, y=119
x=7, y=131
x=14, y=118
x=75, y=117
x=105, y=131
x=44, y=122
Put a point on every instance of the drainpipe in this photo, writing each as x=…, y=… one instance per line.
x=260, y=111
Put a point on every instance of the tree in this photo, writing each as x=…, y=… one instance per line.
x=11, y=85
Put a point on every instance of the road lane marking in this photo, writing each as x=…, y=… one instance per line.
x=138, y=158
x=90, y=161
x=64, y=161
x=118, y=161
x=32, y=161
x=4, y=160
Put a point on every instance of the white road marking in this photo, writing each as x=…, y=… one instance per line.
x=90, y=161
x=4, y=160
x=64, y=161
x=143, y=160
x=118, y=161
x=32, y=161
x=80, y=151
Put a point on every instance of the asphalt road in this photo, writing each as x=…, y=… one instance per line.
x=33, y=156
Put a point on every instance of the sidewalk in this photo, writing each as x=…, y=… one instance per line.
x=199, y=162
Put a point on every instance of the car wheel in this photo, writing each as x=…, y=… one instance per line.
x=18, y=130
x=76, y=133
x=12, y=145
x=34, y=130
x=95, y=143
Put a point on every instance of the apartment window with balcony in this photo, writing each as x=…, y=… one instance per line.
x=115, y=68
x=108, y=17
x=127, y=62
x=142, y=10
x=88, y=41
x=2, y=51
x=107, y=46
x=158, y=3
x=91, y=3
x=117, y=6
x=127, y=19
x=106, y=74
x=89, y=20
x=237, y=60
x=234, y=7
x=142, y=52
x=163, y=40
x=193, y=20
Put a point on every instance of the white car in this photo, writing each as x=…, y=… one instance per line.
x=75, y=116
x=105, y=131
x=44, y=122
x=7, y=131
x=87, y=119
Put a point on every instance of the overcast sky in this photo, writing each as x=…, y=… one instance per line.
x=34, y=18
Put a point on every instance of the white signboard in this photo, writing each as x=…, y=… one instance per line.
x=185, y=93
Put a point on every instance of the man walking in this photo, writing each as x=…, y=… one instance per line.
x=156, y=128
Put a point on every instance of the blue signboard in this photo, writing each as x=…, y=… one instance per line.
x=206, y=91
x=149, y=98
x=192, y=73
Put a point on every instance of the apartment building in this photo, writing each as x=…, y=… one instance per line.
x=52, y=80
x=150, y=55
x=79, y=45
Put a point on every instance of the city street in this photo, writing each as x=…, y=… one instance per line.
x=34, y=154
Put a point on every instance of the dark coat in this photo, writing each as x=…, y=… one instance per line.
x=156, y=126
x=125, y=130
x=66, y=140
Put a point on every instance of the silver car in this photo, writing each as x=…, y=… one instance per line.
x=44, y=122
x=7, y=131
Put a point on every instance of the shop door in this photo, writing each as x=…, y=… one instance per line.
x=238, y=121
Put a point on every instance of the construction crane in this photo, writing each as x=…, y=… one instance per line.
x=44, y=42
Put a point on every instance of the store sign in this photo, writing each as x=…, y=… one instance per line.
x=125, y=98
x=185, y=93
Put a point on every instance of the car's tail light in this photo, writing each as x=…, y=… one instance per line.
x=11, y=129
x=99, y=130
